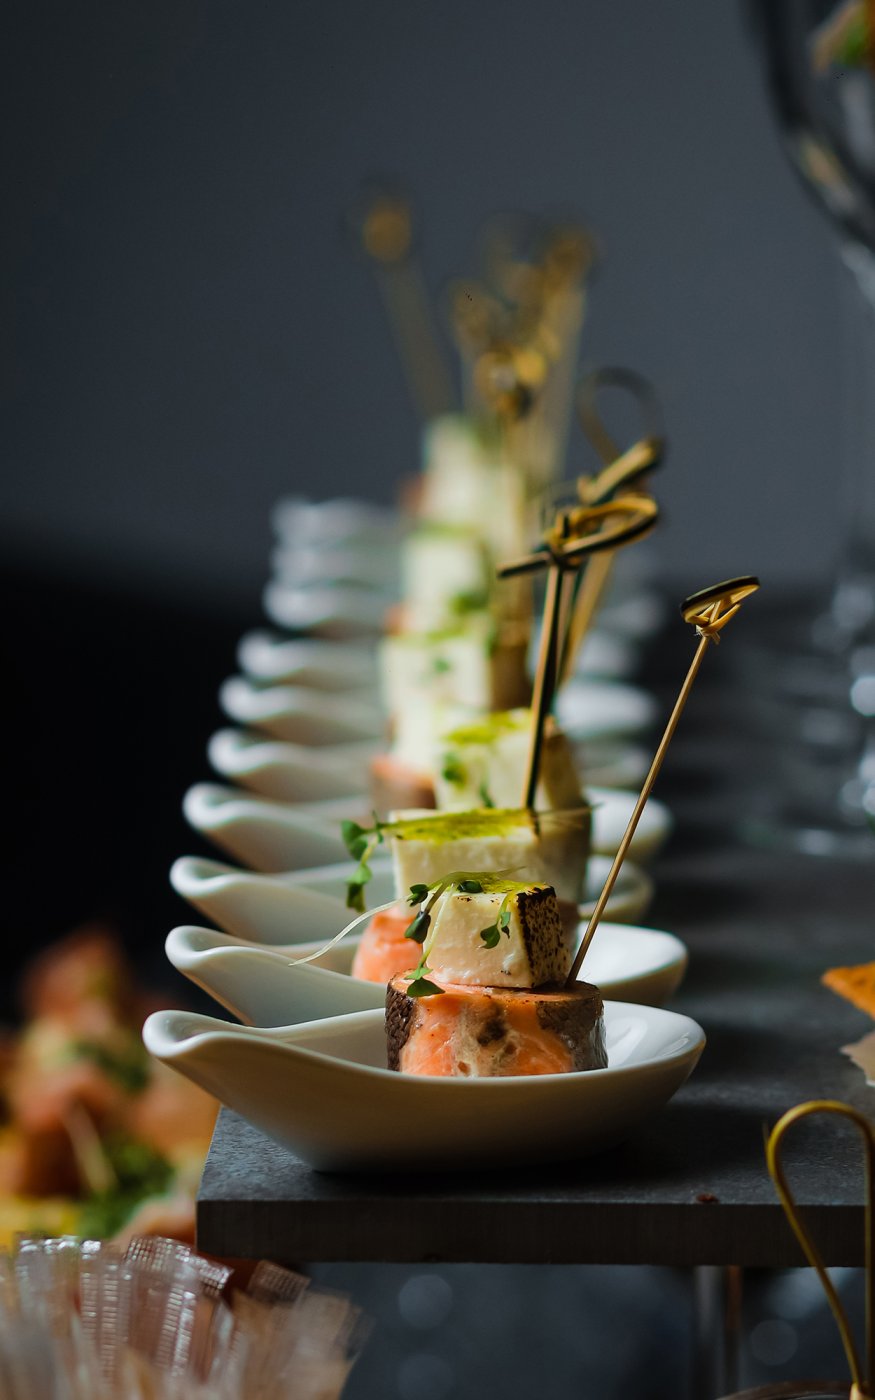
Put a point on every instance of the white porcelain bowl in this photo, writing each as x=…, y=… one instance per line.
x=267, y=836
x=263, y=986
x=272, y=659
x=288, y=772
x=326, y=611
x=605, y=656
x=276, y=836
x=302, y=715
x=280, y=908
x=588, y=709
x=612, y=763
x=301, y=772
x=321, y=1089
x=345, y=565
x=342, y=520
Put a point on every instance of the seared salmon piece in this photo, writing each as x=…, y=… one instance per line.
x=384, y=951
x=480, y=1032
x=395, y=784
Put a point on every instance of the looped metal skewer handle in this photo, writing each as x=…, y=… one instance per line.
x=594, y=426
x=862, y=1388
x=616, y=522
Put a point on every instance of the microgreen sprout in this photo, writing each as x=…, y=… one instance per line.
x=492, y=934
x=361, y=842
x=475, y=600
x=453, y=771
x=420, y=927
x=485, y=799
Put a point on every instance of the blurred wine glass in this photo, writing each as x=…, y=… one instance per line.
x=820, y=63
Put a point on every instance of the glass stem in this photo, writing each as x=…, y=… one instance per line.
x=853, y=605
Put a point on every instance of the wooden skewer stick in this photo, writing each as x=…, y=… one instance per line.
x=641, y=458
x=545, y=679
x=577, y=533
x=386, y=233
x=620, y=470
x=568, y=262
x=708, y=611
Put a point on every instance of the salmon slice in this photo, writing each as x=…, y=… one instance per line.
x=395, y=784
x=384, y=952
x=482, y=1032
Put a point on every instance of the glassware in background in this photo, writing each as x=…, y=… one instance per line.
x=814, y=691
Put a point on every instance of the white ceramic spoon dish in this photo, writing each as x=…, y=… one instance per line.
x=267, y=836
x=605, y=656
x=302, y=715
x=342, y=520
x=304, y=905
x=262, y=986
x=291, y=772
x=326, y=611
x=336, y=565
x=612, y=763
x=321, y=1089
x=610, y=817
x=271, y=659
x=599, y=709
x=277, y=836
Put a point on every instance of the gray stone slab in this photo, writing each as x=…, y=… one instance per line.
x=761, y=928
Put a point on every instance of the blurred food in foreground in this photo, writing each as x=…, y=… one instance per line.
x=97, y=1138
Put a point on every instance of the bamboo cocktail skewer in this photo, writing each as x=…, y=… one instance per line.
x=862, y=1388
x=621, y=469
x=641, y=458
x=708, y=611
x=568, y=262
x=577, y=532
x=385, y=231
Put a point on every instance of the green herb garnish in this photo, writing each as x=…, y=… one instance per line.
x=483, y=792
x=418, y=929
x=361, y=842
x=492, y=934
x=128, y=1065
x=440, y=665
x=419, y=986
x=453, y=771
x=140, y=1173
x=476, y=600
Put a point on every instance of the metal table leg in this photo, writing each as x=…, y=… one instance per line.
x=717, y=1298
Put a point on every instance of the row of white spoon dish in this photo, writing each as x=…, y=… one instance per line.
x=309, y=1068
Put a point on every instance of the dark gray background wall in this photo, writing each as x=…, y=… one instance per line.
x=188, y=337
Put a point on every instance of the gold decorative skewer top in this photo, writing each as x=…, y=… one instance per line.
x=577, y=532
x=382, y=220
x=708, y=611
x=509, y=378
x=621, y=469
x=531, y=311
x=863, y=1386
